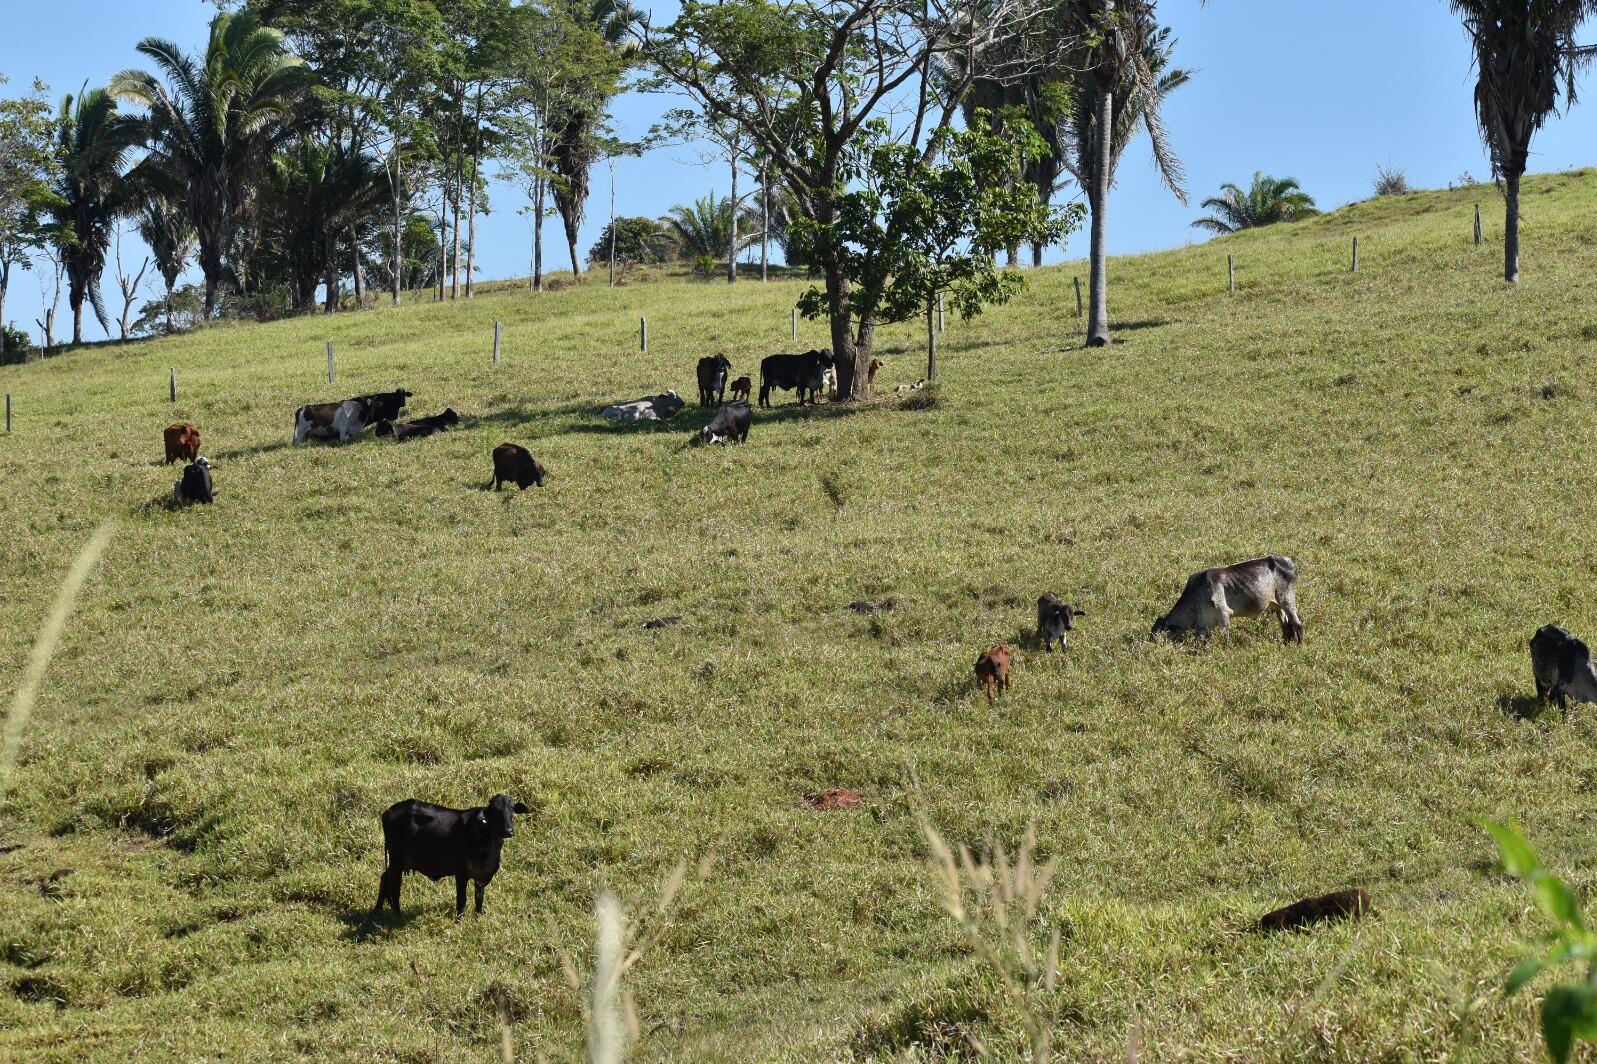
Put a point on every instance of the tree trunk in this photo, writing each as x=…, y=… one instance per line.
x=1098, y=317
x=360, y=273
x=1511, y=231
x=169, y=287
x=1012, y=257
x=765, y=222
x=460, y=162
x=537, y=238
x=5, y=283
x=476, y=161
x=399, y=233
x=331, y=281
x=612, y=223
x=443, y=241
x=732, y=251
x=1036, y=253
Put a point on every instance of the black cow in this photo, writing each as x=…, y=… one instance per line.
x=422, y=426
x=195, y=485
x=804, y=373
x=384, y=406
x=514, y=464
x=1562, y=666
x=730, y=425
x=713, y=374
x=438, y=841
x=1056, y=618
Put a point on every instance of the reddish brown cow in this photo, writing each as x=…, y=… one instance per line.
x=992, y=670
x=182, y=443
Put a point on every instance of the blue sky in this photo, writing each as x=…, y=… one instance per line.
x=1281, y=86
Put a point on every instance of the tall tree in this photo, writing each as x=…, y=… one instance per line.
x=1267, y=201
x=318, y=192
x=93, y=140
x=1117, y=35
x=1526, y=59
x=165, y=228
x=214, y=122
x=27, y=166
x=802, y=80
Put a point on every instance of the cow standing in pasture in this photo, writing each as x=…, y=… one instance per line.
x=438, y=841
x=1247, y=589
x=1562, y=666
x=992, y=670
x=805, y=374
x=182, y=443
x=514, y=464
x=1055, y=620
x=713, y=372
x=742, y=388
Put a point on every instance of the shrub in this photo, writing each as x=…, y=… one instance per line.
x=1392, y=182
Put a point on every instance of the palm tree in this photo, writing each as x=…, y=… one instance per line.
x=90, y=193
x=1120, y=36
x=1270, y=200
x=1526, y=55
x=576, y=143
x=704, y=230
x=319, y=192
x=164, y=225
x=214, y=123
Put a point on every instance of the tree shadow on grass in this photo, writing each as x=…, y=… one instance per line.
x=1528, y=708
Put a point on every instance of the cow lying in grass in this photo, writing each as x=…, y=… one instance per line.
x=650, y=408
x=195, y=485
x=1247, y=589
x=438, y=841
x=422, y=426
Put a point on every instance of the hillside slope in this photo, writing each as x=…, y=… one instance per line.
x=246, y=687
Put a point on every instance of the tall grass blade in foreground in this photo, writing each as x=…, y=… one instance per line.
x=44, y=649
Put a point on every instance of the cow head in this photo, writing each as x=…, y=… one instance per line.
x=202, y=462
x=498, y=818
x=449, y=417
x=1164, y=629
x=1065, y=615
x=538, y=472
x=706, y=436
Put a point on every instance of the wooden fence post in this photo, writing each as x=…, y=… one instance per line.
x=174, y=384
x=330, y=374
x=643, y=333
x=931, y=344
x=1079, y=309
x=1478, y=234
x=8, y=413
x=497, y=333
x=1231, y=272
x=1355, y=254
x=795, y=323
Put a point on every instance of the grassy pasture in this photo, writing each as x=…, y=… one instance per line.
x=192, y=839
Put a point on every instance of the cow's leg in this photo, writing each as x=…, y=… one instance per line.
x=460, y=896
x=1291, y=623
x=1541, y=691
x=1558, y=695
x=482, y=884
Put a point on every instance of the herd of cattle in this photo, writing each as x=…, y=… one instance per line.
x=466, y=844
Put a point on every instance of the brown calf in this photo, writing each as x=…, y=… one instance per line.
x=182, y=443
x=1342, y=905
x=992, y=670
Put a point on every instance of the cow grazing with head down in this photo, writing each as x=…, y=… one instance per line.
x=182, y=443
x=1562, y=666
x=438, y=841
x=514, y=464
x=805, y=374
x=992, y=670
x=1055, y=620
x=196, y=484
x=730, y=425
x=713, y=372
x=1247, y=589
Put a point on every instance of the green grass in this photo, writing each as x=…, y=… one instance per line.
x=245, y=687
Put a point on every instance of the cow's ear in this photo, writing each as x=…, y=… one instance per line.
x=519, y=808
x=1080, y=613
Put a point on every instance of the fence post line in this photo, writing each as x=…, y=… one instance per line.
x=795, y=323
x=1231, y=272
x=8, y=413
x=931, y=344
x=1355, y=254
x=498, y=332
x=1079, y=309
x=174, y=384
x=330, y=374
x=643, y=333
x=1478, y=234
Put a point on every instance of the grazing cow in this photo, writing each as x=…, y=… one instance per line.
x=742, y=388
x=422, y=426
x=1055, y=620
x=1341, y=905
x=802, y=373
x=1562, y=666
x=713, y=373
x=514, y=464
x=438, y=841
x=992, y=670
x=195, y=485
x=182, y=443
x=730, y=425
x=1247, y=589
x=649, y=408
